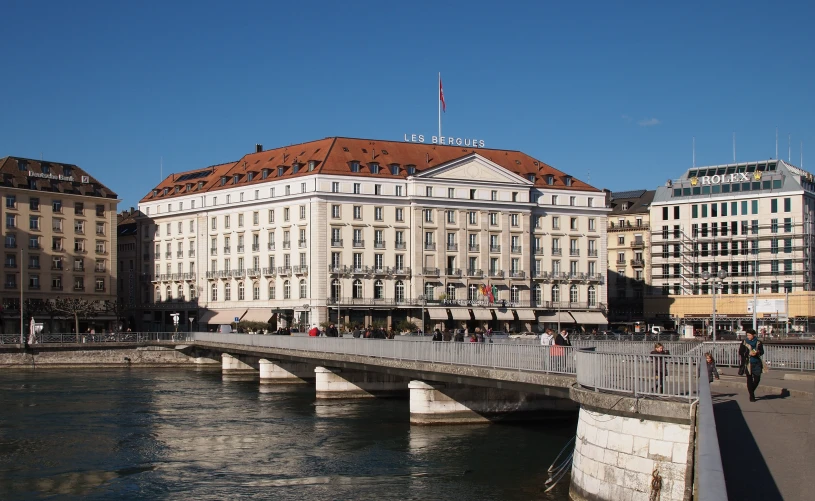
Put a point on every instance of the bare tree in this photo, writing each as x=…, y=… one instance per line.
x=78, y=308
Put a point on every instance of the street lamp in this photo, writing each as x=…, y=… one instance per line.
x=721, y=276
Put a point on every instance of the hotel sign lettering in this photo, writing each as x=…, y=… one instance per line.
x=738, y=177
x=449, y=141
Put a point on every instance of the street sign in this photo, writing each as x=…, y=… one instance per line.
x=237, y=319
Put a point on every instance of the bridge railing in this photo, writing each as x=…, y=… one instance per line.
x=636, y=347
x=787, y=357
x=534, y=358
x=639, y=375
x=83, y=337
x=708, y=470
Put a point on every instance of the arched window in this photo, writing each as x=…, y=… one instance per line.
x=303, y=289
x=241, y=291
x=227, y=291
x=169, y=293
x=379, y=290
x=538, y=295
x=256, y=290
x=472, y=293
x=555, y=293
x=180, y=292
x=286, y=290
x=356, y=291
x=399, y=291
x=213, y=294
x=573, y=294
x=514, y=294
x=272, y=289
x=157, y=295
x=336, y=289
x=592, y=296
x=429, y=292
x=193, y=293
x=451, y=291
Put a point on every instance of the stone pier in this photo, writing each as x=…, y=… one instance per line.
x=238, y=364
x=285, y=372
x=444, y=403
x=345, y=383
x=623, y=442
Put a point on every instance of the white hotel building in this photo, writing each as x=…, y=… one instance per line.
x=376, y=232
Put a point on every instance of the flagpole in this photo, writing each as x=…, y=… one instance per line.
x=439, y=99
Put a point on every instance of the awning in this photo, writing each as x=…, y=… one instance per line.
x=480, y=314
x=206, y=316
x=589, y=317
x=525, y=314
x=437, y=313
x=225, y=317
x=504, y=314
x=460, y=313
x=562, y=317
x=257, y=315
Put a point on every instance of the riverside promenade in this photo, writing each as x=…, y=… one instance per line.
x=768, y=446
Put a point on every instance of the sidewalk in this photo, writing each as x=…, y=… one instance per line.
x=768, y=446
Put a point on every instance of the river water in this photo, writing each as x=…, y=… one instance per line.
x=187, y=434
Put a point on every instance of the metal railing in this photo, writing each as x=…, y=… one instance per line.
x=110, y=337
x=536, y=358
x=789, y=357
x=639, y=375
x=708, y=469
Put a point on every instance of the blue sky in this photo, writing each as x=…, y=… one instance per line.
x=617, y=92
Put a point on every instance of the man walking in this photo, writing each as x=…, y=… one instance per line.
x=751, y=351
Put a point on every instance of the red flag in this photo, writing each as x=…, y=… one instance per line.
x=441, y=97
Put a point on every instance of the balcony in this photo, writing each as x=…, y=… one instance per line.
x=336, y=269
x=452, y=272
x=213, y=252
x=11, y=285
x=241, y=248
x=400, y=271
x=557, y=251
x=592, y=252
x=253, y=272
x=473, y=247
x=475, y=273
x=497, y=273
x=191, y=253
x=301, y=270
x=34, y=246
x=336, y=242
x=270, y=246
x=574, y=252
x=538, y=251
x=400, y=245
x=358, y=270
x=56, y=229
x=11, y=245
x=637, y=263
x=566, y=305
x=429, y=246
x=79, y=288
x=227, y=250
x=287, y=244
x=593, y=277
x=11, y=264
x=269, y=272
x=100, y=233
x=33, y=287
x=56, y=287
x=430, y=272
x=638, y=244
x=99, y=270
x=516, y=249
x=302, y=244
x=451, y=246
x=379, y=245
x=495, y=248
x=284, y=271
x=359, y=243
x=627, y=226
x=542, y=275
x=517, y=274
x=79, y=269
x=179, y=254
x=255, y=247
x=33, y=266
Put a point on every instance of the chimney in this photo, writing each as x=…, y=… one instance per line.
x=258, y=148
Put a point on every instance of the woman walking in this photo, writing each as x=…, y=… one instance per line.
x=750, y=352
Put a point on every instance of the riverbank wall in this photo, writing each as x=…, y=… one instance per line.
x=100, y=356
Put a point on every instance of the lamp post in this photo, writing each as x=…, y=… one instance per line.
x=755, y=289
x=721, y=276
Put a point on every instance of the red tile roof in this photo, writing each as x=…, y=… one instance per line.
x=334, y=155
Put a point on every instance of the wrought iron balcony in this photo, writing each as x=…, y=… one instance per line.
x=557, y=251
x=637, y=244
x=400, y=245
x=516, y=249
x=287, y=244
x=241, y=248
x=430, y=246
x=495, y=248
x=213, y=252
x=452, y=272
x=452, y=246
x=497, y=273
x=301, y=270
x=191, y=253
x=432, y=272
x=269, y=272
x=574, y=252
x=253, y=272
x=227, y=250
x=473, y=247
x=284, y=271
x=517, y=274
x=179, y=253
x=400, y=271
x=637, y=263
x=592, y=252
x=336, y=242
x=255, y=247
x=168, y=255
x=271, y=246
x=379, y=245
x=538, y=251
x=359, y=243
x=302, y=243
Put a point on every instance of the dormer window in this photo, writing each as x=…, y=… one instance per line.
x=155, y=193
x=295, y=168
x=189, y=186
x=176, y=189
x=568, y=180
x=22, y=165
x=46, y=169
x=165, y=192
x=250, y=176
x=395, y=169
x=311, y=165
x=200, y=184
x=374, y=167
x=530, y=177
x=264, y=173
x=280, y=171
x=235, y=179
x=411, y=170
x=354, y=166
x=550, y=180
x=223, y=180
x=66, y=170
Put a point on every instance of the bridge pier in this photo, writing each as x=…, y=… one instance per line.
x=238, y=364
x=285, y=372
x=345, y=383
x=433, y=403
x=622, y=441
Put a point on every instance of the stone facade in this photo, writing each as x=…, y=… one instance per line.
x=615, y=457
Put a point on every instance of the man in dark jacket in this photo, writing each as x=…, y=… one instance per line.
x=562, y=339
x=750, y=352
x=660, y=365
x=332, y=331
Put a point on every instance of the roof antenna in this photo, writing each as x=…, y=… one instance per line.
x=161, y=168
x=734, y=147
x=802, y=154
x=789, y=145
x=694, y=152
x=776, y=142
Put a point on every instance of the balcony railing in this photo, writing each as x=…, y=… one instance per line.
x=451, y=246
x=431, y=272
x=538, y=251
x=253, y=272
x=287, y=244
x=400, y=271
x=495, y=248
x=452, y=272
x=637, y=263
x=497, y=273
x=213, y=252
x=627, y=226
x=33, y=266
x=56, y=287
x=541, y=275
x=301, y=270
x=179, y=253
x=34, y=287
x=473, y=247
x=359, y=243
x=79, y=288
x=10, y=285
x=269, y=272
x=336, y=242
x=637, y=244
x=592, y=252
x=270, y=246
x=557, y=251
x=516, y=274
x=302, y=243
x=227, y=250
x=11, y=245
x=429, y=246
x=516, y=249
x=400, y=245
x=566, y=305
x=255, y=247
x=191, y=253
x=379, y=245
x=11, y=264
x=475, y=273
x=241, y=248
x=574, y=252
x=284, y=270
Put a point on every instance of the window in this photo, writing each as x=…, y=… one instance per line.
x=303, y=289
x=335, y=187
x=11, y=201
x=556, y=293
x=271, y=216
x=493, y=195
x=774, y=205
x=255, y=218
x=286, y=289
x=787, y=225
x=335, y=211
x=286, y=213
x=400, y=215
x=378, y=213
x=472, y=217
x=302, y=212
x=226, y=222
x=357, y=212
x=428, y=191
x=555, y=222
x=213, y=294
x=79, y=208
x=451, y=217
x=554, y=199
x=573, y=294
x=787, y=204
x=572, y=201
x=694, y=211
x=755, y=206
x=272, y=290
x=33, y=222
x=573, y=223
x=451, y=193
x=428, y=215
x=515, y=219
x=399, y=291
x=493, y=219
x=356, y=289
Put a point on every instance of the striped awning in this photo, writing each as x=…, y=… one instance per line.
x=480, y=314
x=460, y=313
x=589, y=317
x=437, y=313
x=225, y=317
x=525, y=314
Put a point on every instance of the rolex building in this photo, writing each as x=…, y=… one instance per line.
x=377, y=233
x=743, y=232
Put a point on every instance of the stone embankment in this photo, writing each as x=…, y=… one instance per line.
x=98, y=356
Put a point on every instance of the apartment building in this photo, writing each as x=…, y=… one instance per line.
x=743, y=231
x=368, y=231
x=58, y=225
x=629, y=255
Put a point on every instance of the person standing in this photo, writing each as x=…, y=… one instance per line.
x=546, y=337
x=712, y=371
x=660, y=365
x=314, y=331
x=752, y=366
x=332, y=331
x=562, y=339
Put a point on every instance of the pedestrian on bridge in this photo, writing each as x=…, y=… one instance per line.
x=751, y=351
x=660, y=365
